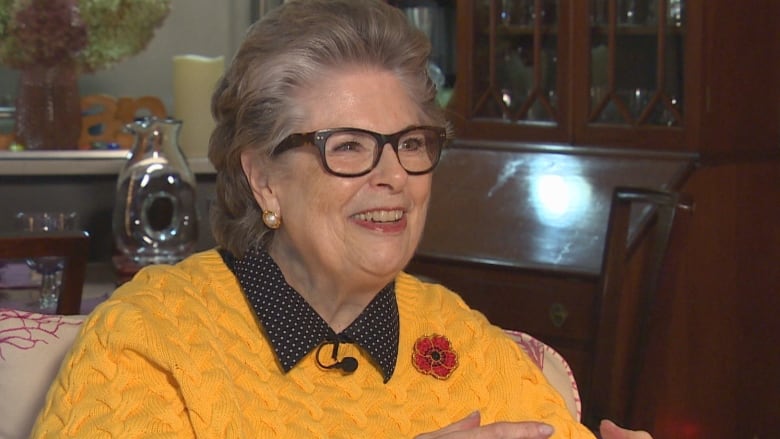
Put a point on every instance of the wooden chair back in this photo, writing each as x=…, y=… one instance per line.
x=73, y=246
x=617, y=363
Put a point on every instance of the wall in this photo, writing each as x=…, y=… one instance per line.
x=202, y=27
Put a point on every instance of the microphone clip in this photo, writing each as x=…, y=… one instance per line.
x=347, y=365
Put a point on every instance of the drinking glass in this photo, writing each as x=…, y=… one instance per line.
x=516, y=12
x=675, y=13
x=599, y=12
x=49, y=267
x=628, y=12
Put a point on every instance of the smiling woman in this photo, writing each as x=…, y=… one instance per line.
x=309, y=258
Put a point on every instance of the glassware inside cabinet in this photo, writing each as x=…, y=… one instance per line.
x=636, y=57
x=437, y=20
x=515, y=61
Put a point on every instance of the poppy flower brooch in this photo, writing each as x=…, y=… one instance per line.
x=433, y=355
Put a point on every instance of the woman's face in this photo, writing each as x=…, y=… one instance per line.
x=351, y=233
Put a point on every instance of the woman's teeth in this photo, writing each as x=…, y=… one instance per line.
x=380, y=216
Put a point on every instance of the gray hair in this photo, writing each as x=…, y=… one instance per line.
x=255, y=104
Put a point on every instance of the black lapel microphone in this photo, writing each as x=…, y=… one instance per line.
x=346, y=365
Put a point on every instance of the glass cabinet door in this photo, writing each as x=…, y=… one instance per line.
x=579, y=72
x=515, y=61
x=636, y=62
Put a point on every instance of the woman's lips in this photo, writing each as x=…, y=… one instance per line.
x=381, y=220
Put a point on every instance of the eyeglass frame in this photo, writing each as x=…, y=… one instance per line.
x=319, y=138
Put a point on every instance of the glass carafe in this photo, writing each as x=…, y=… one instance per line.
x=155, y=217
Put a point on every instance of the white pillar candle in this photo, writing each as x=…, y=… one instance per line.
x=194, y=80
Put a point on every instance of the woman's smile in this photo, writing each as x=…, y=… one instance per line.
x=381, y=220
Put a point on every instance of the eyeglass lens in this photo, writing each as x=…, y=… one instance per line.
x=355, y=152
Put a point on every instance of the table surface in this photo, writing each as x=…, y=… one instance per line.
x=535, y=210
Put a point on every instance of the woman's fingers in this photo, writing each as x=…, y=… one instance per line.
x=469, y=428
x=467, y=423
x=512, y=430
x=610, y=430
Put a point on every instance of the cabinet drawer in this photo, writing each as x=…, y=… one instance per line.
x=546, y=305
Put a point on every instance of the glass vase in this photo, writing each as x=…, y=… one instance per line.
x=48, y=108
x=155, y=218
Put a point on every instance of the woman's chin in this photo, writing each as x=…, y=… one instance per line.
x=384, y=269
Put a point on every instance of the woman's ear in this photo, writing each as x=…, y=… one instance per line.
x=255, y=170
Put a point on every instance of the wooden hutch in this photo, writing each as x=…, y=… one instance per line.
x=556, y=104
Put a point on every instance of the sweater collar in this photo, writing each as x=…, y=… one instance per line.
x=294, y=328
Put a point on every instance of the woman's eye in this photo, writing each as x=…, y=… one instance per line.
x=347, y=147
x=412, y=144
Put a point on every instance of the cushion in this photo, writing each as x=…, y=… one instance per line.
x=554, y=367
x=32, y=347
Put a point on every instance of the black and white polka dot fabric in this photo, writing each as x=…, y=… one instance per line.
x=294, y=328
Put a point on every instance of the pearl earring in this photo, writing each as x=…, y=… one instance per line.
x=271, y=220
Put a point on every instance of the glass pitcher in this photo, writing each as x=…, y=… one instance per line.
x=155, y=217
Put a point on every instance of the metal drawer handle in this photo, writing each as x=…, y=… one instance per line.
x=558, y=314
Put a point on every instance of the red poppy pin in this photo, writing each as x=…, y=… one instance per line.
x=433, y=355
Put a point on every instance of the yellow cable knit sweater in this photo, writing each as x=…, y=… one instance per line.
x=178, y=352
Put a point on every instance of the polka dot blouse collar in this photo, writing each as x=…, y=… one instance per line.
x=294, y=328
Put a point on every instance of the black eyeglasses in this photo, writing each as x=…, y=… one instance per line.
x=352, y=152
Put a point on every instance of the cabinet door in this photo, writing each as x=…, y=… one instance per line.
x=512, y=70
x=582, y=72
x=632, y=58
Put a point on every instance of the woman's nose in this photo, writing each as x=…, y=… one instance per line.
x=389, y=170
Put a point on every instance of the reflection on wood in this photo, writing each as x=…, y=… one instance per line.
x=534, y=210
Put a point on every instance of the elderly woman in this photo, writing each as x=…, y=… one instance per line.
x=302, y=323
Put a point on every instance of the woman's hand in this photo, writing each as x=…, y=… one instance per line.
x=609, y=430
x=469, y=427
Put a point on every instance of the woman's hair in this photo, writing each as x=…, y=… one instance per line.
x=256, y=103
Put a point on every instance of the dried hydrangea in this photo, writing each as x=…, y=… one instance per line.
x=46, y=33
x=94, y=34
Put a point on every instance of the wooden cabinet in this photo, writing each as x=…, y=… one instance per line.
x=597, y=72
x=544, y=99
x=562, y=78
x=520, y=235
x=663, y=75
